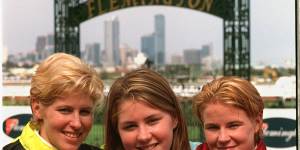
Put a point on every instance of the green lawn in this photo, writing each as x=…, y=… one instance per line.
x=96, y=135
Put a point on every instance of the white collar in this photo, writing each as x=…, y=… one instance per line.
x=43, y=140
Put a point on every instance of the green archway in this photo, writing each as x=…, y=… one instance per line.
x=235, y=13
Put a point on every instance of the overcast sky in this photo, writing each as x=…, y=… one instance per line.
x=272, y=28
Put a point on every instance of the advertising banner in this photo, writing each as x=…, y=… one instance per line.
x=280, y=129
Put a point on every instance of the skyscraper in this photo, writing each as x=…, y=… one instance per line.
x=44, y=46
x=207, y=57
x=148, y=47
x=50, y=44
x=159, y=39
x=92, y=54
x=112, y=42
x=192, y=56
x=40, y=46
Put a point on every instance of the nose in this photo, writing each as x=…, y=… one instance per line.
x=144, y=134
x=76, y=121
x=223, y=137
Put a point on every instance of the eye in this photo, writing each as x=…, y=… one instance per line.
x=211, y=127
x=234, y=125
x=153, y=121
x=85, y=112
x=129, y=127
x=64, y=110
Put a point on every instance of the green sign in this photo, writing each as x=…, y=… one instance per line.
x=280, y=132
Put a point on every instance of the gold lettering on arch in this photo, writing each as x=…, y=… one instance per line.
x=153, y=2
x=150, y=2
x=128, y=3
x=135, y=3
x=206, y=6
x=192, y=4
x=90, y=7
x=101, y=8
x=180, y=3
x=143, y=2
x=167, y=2
x=202, y=5
x=113, y=5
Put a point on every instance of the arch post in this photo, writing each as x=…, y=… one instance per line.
x=66, y=28
x=237, y=41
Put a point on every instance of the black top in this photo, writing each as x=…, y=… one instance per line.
x=18, y=146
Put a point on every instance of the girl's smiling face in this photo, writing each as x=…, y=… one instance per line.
x=142, y=127
x=228, y=127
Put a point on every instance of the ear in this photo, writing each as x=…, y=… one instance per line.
x=36, y=109
x=175, y=123
x=258, y=122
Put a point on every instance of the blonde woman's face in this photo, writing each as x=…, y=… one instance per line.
x=66, y=122
x=228, y=127
x=142, y=127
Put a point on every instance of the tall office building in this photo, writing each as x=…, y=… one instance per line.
x=111, y=42
x=206, y=57
x=44, y=46
x=92, y=54
x=50, y=44
x=192, y=56
x=148, y=46
x=206, y=50
x=159, y=34
x=40, y=47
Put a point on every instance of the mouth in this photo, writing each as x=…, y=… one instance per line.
x=225, y=148
x=72, y=134
x=147, y=147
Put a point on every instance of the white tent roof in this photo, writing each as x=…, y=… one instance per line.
x=284, y=87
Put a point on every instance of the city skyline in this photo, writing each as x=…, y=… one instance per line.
x=138, y=22
x=269, y=23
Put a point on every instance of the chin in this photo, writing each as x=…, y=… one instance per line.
x=69, y=147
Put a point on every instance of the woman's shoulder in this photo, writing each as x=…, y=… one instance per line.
x=198, y=146
x=194, y=145
x=14, y=146
x=18, y=146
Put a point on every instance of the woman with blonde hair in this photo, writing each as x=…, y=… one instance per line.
x=64, y=93
x=230, y=111
x=143, y=113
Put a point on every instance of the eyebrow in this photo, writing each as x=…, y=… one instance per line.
x=231, y=122
x=125, y=123
x=210, y=124
x=152, y=115
x=145, y=119
x=69, y=106
x=87, y=107
x=236, y=121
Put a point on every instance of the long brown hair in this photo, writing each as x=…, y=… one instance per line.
x=152, y=88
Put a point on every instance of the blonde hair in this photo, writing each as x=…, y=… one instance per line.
x=62, y=74
x=232, y=91
x=150, y=87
